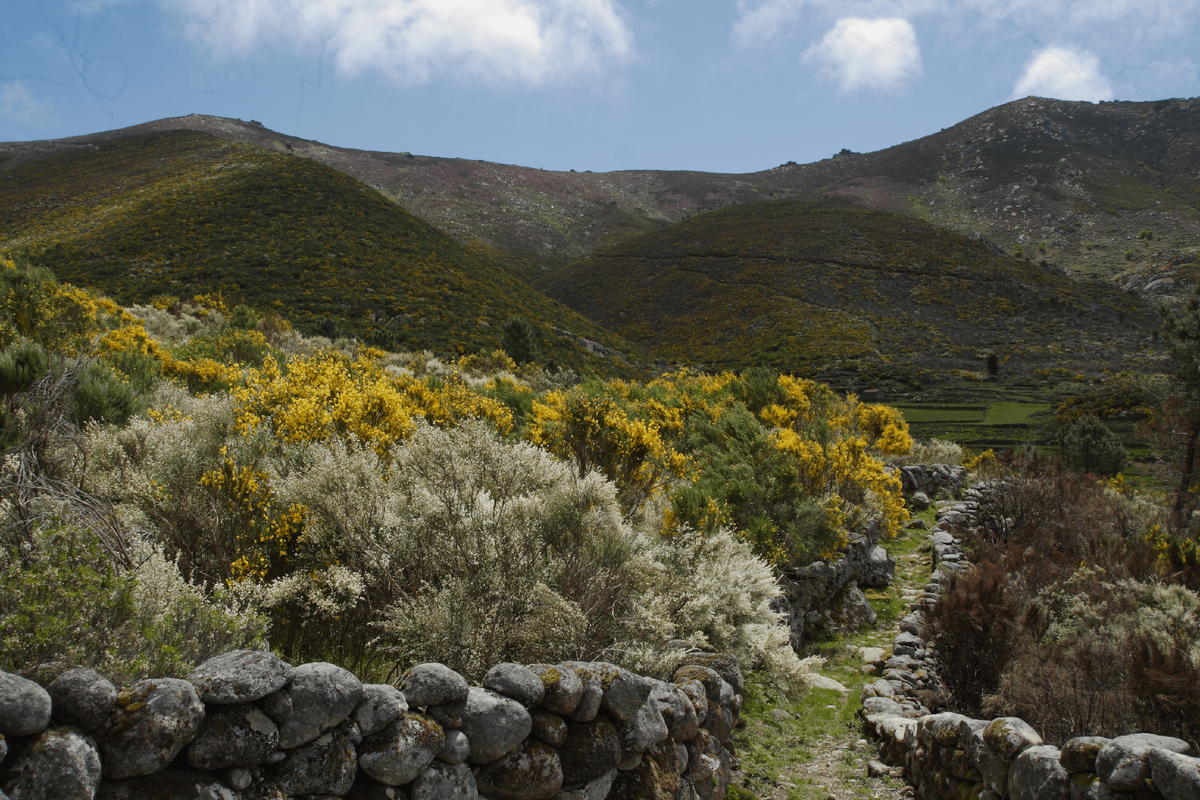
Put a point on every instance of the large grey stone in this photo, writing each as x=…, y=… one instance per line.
x=1036, y=774
x=495, y=725
x=322, y=695
x=82, y=698
x=676, y=709
x=456, y=749
x=24, y=706
x=624, y=692
x=561, y=686
x=596, y=789
x=517, y=682
x=60, y=764
x=593, y=692
x=326, y=765
x=548, y=728
x=591, y=750
x=1079, y=754
x=725, y=664
x=152, y=723
x=1008, y=736
x=233, y=736
x=240, y=676
x=381, y=705
x=644, y=729
x=401, y=751
x=1176, y=776
x=695, y=691
x=433, y=684
x=1122, y=763
x=709, y=678
x=441, y=781
x=531, y=772
x=992, y=768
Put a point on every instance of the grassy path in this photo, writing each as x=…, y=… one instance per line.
x=813, y=749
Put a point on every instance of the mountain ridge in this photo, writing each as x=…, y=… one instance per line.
x=1075, y=181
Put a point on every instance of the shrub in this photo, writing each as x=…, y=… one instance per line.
x=1105, y=658
x=1088, y=445
x=975, y=624
x=100, y=396
x=62, y=599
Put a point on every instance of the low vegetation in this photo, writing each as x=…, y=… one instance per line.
x=216, y=475
x=1080, y=612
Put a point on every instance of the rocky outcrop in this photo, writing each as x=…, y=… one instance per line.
x=248, y=726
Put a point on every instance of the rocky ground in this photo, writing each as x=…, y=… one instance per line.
x=814, y=749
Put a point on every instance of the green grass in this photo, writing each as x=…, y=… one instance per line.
x=1014, y=413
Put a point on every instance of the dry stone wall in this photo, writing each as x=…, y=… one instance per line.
x=947, y=756
x=248, y=726
x=827, y=595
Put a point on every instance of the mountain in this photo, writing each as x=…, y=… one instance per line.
x=180, y=213
x=1072, y=183
x=856, y=296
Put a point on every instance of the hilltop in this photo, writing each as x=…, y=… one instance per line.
x=1080, y=181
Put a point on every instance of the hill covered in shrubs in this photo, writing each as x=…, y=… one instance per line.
x=805, y=287
x=178, y=214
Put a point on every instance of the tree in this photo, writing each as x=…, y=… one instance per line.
x=519, y=340
x=1088, y=445
x=1181, y=333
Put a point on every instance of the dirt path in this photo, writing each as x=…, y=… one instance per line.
x=814, y=749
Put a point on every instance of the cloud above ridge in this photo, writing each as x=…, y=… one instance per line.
x=867, y=54
x=524, y=42
x=1064, y=73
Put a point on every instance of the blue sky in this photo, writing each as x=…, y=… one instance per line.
x=717, y=85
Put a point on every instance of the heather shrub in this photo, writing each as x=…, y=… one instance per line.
x=711, y=588
x=1074, y=671
x=1068, y=618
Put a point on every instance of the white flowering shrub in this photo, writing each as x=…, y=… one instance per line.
x=932, y=451
x=711, y=588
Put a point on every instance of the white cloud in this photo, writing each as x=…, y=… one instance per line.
x=867, y=53
x=1064, y=73
x=1128, y=21
x=19, y=110
x=506, y=41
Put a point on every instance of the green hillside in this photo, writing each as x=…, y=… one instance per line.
x=817, y=288
x=184, y=213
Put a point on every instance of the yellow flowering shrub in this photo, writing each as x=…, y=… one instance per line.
x=262, y=531
x=329, y=394
x=603, y=427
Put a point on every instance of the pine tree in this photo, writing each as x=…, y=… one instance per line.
x=1088, y=445
x=519, y=340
